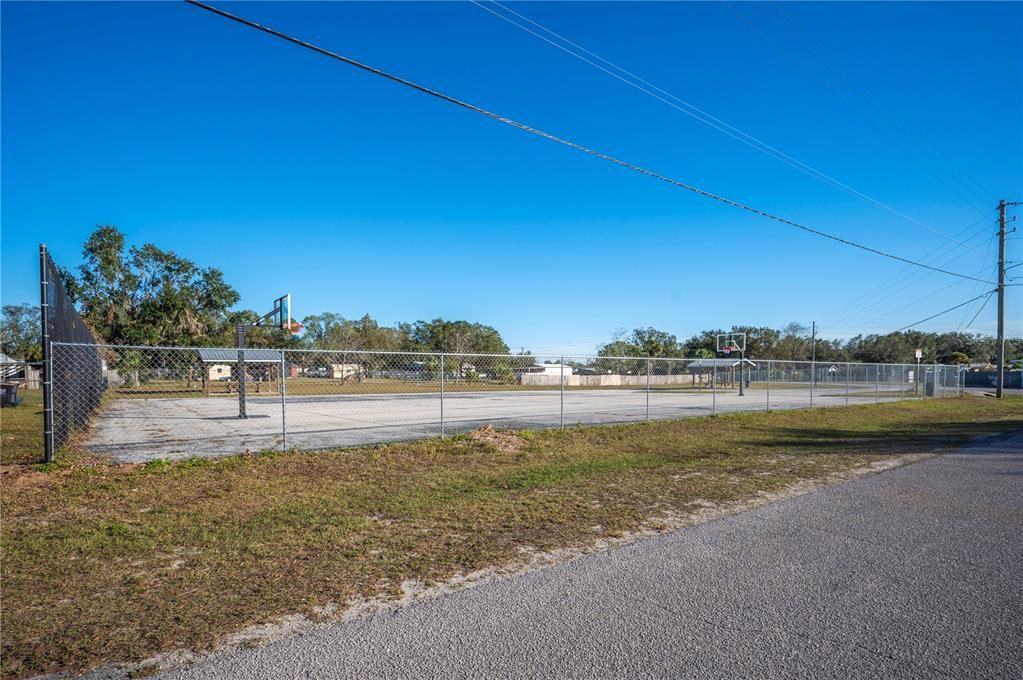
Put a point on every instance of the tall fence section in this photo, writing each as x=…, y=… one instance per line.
x=145, y=403
x=69, y=396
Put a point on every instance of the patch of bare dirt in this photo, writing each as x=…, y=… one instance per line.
x=21, y=476
x=503, y=441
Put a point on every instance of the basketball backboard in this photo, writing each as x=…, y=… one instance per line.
x=281, y=315
x=731, y=342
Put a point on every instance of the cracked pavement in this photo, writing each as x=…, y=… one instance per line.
x=914, y=572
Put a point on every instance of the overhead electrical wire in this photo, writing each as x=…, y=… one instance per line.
x=907, y=278
x=565, y=142
x=844, y=87
x=937, y=255
x=993, y=267
x=890, y=138
x=950, y=309
x=987, y=299
x=692, y=110
x=921, y=141
x=917, y=301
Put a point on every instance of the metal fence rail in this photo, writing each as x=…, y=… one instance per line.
x=169, y=402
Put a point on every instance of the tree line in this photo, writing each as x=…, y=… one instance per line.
x=794, y=343
x=145, y=295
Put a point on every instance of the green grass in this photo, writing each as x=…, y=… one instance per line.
x=21, y=429
x=117, y=563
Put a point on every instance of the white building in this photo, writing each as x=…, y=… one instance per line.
x=546, y=369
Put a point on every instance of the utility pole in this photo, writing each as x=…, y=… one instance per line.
x=1000, y=349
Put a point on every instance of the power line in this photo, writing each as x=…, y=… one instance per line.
x=950, y=309
x=694, y=111
x=918, y=300
x=891, y=139
x=889, y=291
x=987, y=298
x=911, y=275
x=859, y=92
x=982, y=270
x=565, y=142
x=920, y=140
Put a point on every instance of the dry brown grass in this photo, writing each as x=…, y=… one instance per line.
x=106, y=563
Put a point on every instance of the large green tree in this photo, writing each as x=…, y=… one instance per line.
x=642, y=342
x=441, y=335
x=149, y=296
x=20, y=336
x=332, y=331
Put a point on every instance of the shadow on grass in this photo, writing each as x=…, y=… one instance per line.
x=894, y=438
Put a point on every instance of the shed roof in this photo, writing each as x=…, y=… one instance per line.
x=230, y=356
x=718, y=363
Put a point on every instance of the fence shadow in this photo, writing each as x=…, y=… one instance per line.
x=912, y=438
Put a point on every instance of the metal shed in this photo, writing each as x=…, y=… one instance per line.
x=262, y=370
x=725, y=370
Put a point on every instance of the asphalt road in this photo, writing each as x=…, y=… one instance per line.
x=139, y=430
x=915, y=572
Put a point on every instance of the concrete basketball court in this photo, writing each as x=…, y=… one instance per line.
x=140, y=430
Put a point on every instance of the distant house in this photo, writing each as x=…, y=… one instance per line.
x=262, y=370
x=217, y=371
x=981, y=366
x=545, y=369
x=10, y=368
x=13, y=370
x=343, y=371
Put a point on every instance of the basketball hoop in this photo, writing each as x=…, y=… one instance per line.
x=294, y=327
x=727, y=350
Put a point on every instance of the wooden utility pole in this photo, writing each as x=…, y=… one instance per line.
x=1000, y=348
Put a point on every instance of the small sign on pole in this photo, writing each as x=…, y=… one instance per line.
x=916, y=383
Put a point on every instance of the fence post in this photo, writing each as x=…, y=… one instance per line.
x=648, y=364
x=714, y=388
x=813, y=379
x=768, y=385
x=847, y=369
x=877, y=383
x=44, y=313
x=562, y=416
x=442, y=394
x=240, y=330
x=284, y=407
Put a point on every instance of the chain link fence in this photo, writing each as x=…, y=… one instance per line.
x=168, y=402
x=69, y=398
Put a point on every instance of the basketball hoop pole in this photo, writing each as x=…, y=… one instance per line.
x=241, y=330
x=730, y=346
x=742, y=361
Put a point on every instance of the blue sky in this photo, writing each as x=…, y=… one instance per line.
x=294, y=173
